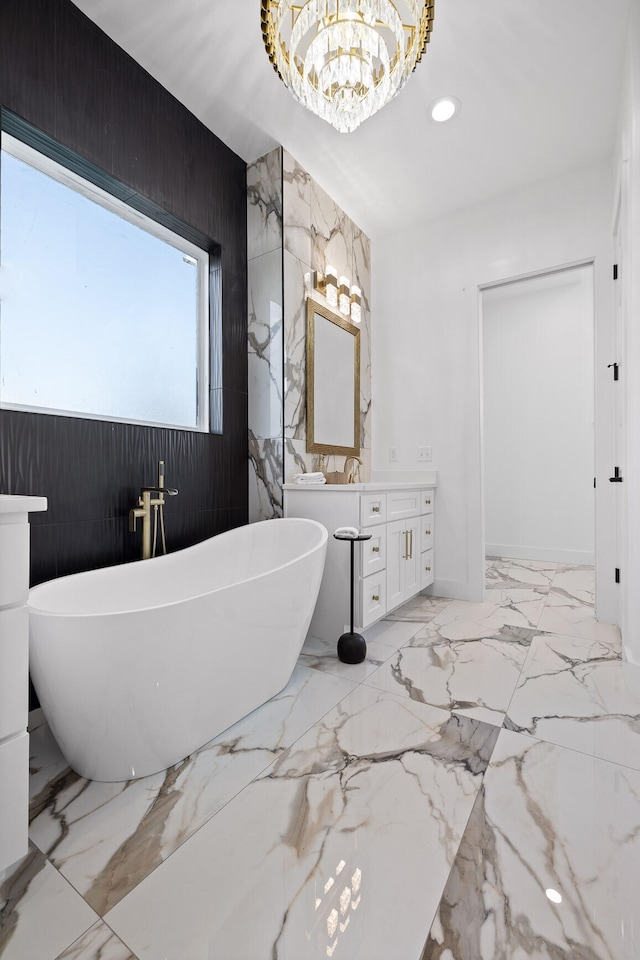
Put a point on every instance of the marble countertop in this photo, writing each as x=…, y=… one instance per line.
x=364, y=487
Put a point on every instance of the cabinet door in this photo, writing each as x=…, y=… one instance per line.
x=396, y=561
x=412, y=561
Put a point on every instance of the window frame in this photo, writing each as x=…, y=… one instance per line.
x=45, y=164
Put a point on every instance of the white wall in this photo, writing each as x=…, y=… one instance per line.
x=537, y=350
x=426, y=357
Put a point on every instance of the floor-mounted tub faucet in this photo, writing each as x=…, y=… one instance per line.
x=146, y=500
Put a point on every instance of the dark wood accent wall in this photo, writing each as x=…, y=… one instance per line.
x=63, y=75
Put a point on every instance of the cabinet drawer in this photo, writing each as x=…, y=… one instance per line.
x=373, y=509
x=427, y=569
x=373, y=598
x=374, y=551
x=427, y=499
x=403, y=504
x=426, y=532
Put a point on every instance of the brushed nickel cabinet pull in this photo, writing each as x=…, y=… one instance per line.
x=428, y=569
x=410, y=544
x=428, y=502
x=375, y=509
x=376, y=549
x=427, y=533
x=375, y=597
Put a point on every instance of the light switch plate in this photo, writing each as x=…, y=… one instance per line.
x=424, y=454
x=393, y=454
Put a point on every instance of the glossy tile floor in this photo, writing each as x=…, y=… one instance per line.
x=436, y=801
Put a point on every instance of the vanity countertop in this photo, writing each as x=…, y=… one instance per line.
x=364, y=487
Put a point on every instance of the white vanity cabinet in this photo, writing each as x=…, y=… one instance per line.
x=14, y=674
x=390, y=568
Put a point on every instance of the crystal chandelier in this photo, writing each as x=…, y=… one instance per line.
x=345, y=59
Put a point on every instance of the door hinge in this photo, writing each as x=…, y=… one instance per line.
x=616, y=478
x=616, y=370
x=615, y=271
x=617, y=574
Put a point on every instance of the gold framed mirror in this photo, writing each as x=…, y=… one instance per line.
x=333, y=382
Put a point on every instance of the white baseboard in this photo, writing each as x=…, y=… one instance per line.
x=551, y=554
x=450, y=590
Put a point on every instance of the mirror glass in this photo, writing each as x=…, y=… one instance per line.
x=333, y=382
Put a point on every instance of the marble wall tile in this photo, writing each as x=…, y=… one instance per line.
x=342, y=847
x=265, y=345
x=295, y=320
x=266, y=471
x=296, y=195
x=331, y=234
x=264, y=204
x=546, y=818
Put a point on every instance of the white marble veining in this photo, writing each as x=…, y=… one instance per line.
x=264, y=204
x=296, y=209
x=98, y=943
x=580, y=694
x=342, y=817
x=40, y=913
x=290, y=868
x=265, y=479
x=106, y=837
x=265, y=344
x=473, y=678
x=546, y=819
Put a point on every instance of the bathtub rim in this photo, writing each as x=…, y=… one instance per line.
x=128, y=611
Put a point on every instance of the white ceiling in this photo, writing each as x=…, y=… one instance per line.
x=539, y=85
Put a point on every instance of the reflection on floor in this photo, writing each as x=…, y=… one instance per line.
x=471, y=791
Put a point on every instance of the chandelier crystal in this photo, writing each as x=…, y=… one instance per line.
x=345, y=59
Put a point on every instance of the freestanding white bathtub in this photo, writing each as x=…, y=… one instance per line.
x=136, y=666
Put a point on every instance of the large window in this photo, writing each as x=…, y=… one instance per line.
x=103, y=312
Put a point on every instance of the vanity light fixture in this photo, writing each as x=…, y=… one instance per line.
x=356, y=304
x=327, y=285
x=344, y=297
x=345, y=59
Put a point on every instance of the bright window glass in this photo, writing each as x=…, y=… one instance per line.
x=103, y=312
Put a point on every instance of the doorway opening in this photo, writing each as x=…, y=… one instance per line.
x=538, y=433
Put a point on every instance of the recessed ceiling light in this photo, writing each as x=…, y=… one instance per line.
x=444, y=108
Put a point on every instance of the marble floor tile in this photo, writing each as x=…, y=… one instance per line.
x=323, y=655
x=546, y=819
x=392, y=633
x=566, y=614
x=474, y=678
x=519, y=573
x=340, y=849
x=576, y=581
x=106, y=837
x=519, y=606
x=421, y=608
x=98, y=943
x=40, y=913
x=433, y=632
x=462, y=620
x=579, y=694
